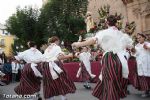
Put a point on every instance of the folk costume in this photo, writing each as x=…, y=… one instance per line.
x=55, y=79
x=84, y=72
x=143, y=66
x=31, y=73
x=114, y=74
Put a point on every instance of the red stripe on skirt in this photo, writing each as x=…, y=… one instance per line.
x=113, y=85
x=84, y=76
x=60, y=86
x=144, y=83
x=29, y=83
x=133, y=74
x=141, y=83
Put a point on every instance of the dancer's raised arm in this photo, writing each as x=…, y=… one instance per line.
x=62, y=56
x=88, y=42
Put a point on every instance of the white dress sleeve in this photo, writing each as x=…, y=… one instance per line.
x=127, y=41
x=81, y=57
x=52, y=53
x=38, y=58
x=148, y=44
x=98, y=37
x=90, y=56
x=20, y=56
x=59, y=51
x=137, y=50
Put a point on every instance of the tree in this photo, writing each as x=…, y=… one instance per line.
x=63, y=18
x=24, y=25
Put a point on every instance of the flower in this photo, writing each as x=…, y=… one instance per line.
x=65, y=51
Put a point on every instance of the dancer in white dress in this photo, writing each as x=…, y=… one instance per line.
x=113, y=83
x=84, y=71
x=31, y=74
x=142, y=54
x=55, y=79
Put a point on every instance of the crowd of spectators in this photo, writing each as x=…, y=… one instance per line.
x=9, y=71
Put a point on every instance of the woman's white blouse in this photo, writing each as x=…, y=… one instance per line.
x=113, y=40
x=50, y=55
x=143, y=59
x=52, y=52
x=31, y=55
x=85, y=56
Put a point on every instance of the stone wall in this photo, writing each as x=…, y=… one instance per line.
x=135, y=10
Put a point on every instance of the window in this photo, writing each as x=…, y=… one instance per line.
x=2, y=42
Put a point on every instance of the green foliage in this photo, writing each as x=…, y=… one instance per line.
x=130, y=28
x=75, y=60
x=104, y=13
x=63, y=18
x=18, y=47
x=24, y=24
x=119, y=20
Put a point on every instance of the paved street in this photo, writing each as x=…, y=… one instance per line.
x=81, y=93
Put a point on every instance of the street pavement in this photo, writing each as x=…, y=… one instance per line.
x=81, y=93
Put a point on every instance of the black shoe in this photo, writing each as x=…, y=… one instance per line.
x=2, y=83
x=85, y=86
x=128, y=92
x=88, y=87
x=39, y=98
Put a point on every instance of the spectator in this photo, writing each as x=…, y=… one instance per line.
x=15, y=68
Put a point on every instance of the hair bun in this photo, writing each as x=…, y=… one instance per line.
x=141, y=34
x=53, y=39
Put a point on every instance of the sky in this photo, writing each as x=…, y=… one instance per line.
x=8, y=7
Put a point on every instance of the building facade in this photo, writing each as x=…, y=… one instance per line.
x=132, y=10
x=6, y=41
